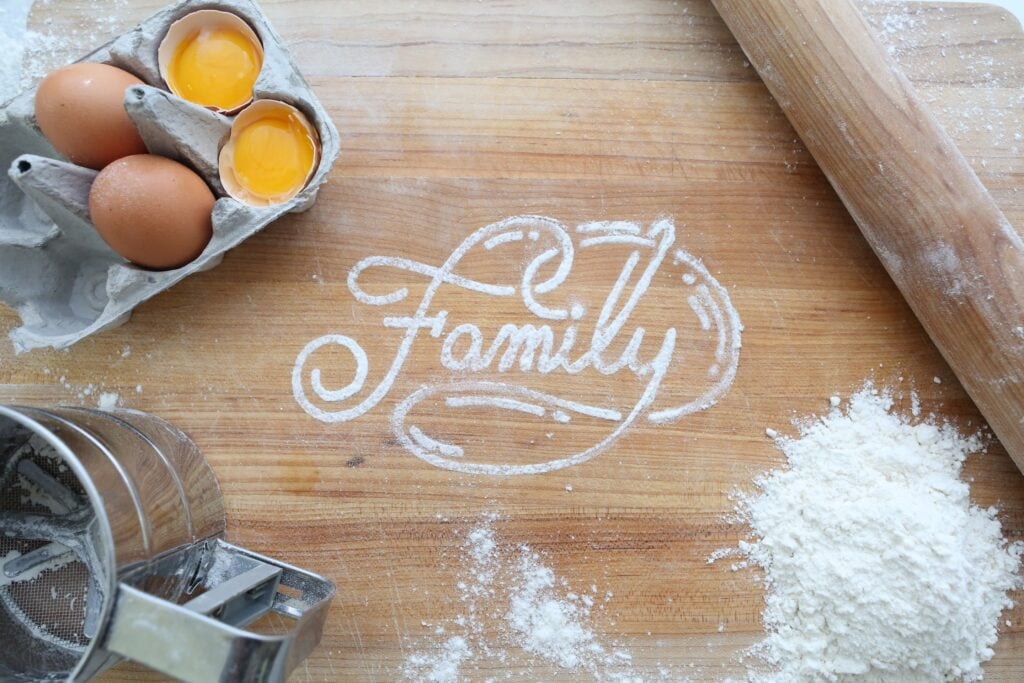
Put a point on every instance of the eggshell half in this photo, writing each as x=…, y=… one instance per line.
x=250, y=114
x=185, y=27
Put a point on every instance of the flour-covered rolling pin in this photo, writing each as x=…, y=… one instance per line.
x=949, y=248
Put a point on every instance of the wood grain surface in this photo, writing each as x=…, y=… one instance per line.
x=455, y=115
x=942, y=238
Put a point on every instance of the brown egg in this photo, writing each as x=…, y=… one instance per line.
x=153, y=211
x=80, y=109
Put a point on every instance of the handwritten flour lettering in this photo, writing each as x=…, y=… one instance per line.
x=550, y=343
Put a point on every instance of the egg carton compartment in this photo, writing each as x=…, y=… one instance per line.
x=55, y=270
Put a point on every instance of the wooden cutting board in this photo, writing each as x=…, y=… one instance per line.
x=457, y=115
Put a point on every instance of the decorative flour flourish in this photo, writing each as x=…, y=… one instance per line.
x=536, y=617
x=535, y=347
x=878, y=567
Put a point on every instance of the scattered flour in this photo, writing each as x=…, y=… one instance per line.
x=991, y=109
x=877, y=565
x=548, y=624
x=52, y=46
x=28, y=55
x=515, y=609
x=105, y=398
x=441, y=666
x=109, y=400
x=13, y=17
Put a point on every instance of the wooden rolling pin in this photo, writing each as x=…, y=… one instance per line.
x=948, y=247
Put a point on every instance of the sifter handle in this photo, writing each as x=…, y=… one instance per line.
x=204, y=640
x=953, y=254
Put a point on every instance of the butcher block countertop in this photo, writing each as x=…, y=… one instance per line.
x=639, y=121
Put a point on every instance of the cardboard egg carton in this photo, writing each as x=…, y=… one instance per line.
x=55, y=270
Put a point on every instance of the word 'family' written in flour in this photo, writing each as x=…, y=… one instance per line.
x=548, y=342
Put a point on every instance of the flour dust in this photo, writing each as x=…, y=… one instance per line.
x=47, y=46
x=877, y=565
x=516, y=611
x=13, y=17
x=915, y=36
x=109, y=400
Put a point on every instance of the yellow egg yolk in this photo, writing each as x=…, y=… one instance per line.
x=273, y=155
x=215, y=67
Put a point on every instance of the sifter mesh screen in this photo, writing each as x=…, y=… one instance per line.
x=44, y=583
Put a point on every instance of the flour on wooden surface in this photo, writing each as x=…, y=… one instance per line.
x=13, y=17
x=109, y=400
x=992, y=109
x=877, y=565
x=105, y=397
x=548, y=340
x=441, y=665
x=516, y=610
x=49, y=47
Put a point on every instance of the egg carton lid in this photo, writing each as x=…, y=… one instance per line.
x=55, y=270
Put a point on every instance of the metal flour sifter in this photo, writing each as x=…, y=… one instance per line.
x=112, y=546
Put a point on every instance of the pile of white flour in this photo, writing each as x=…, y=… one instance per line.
x=878, y=566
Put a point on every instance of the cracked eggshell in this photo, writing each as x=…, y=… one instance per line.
x=188, y=26
x=230, y=178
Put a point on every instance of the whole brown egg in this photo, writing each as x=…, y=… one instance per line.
x=80, y=110
x=153, y=211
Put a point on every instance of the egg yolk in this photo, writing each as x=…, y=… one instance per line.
x=273, y=155
x=215, y=67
